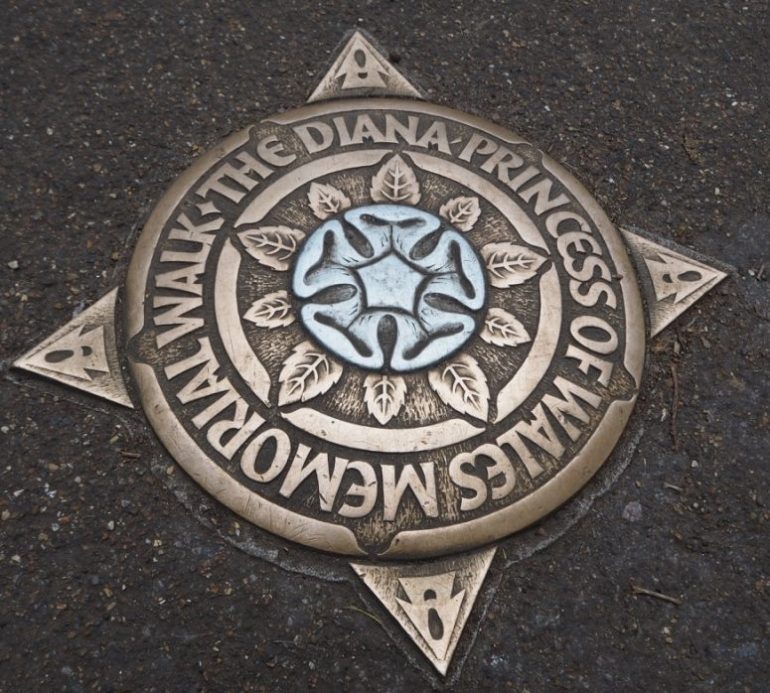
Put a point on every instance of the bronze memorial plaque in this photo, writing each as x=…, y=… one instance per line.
x=386, y=330
x=383, y=327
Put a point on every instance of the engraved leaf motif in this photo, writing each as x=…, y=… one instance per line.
x=326, y=200
x=502, y=329
x=461, y=384
x=461, y=212
x=395, y=182
x=272, y=246
x=509, y=264
x=306, y=373
x=271, y=311
x=384, y=396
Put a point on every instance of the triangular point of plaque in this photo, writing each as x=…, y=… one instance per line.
x=361, y=70
x=431, y=601
x=675, y=279
x=83, y=354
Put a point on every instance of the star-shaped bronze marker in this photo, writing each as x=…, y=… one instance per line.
x=384, y=331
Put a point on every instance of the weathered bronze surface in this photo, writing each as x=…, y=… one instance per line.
x=383, y=329
x=431, y=601
x=83, y=353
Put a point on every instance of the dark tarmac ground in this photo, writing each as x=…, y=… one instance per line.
x=109, y=583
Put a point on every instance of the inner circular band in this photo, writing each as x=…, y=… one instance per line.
x=370, y=438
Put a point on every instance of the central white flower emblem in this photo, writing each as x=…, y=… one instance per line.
x=392, y=289
x=389, y=286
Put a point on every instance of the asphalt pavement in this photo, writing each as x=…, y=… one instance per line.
x=116, y=574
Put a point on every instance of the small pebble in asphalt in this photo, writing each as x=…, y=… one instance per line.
x=633, y=511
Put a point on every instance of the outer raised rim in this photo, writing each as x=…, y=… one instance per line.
x=335, y=538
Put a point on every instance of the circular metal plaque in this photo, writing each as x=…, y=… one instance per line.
x=384, y=327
